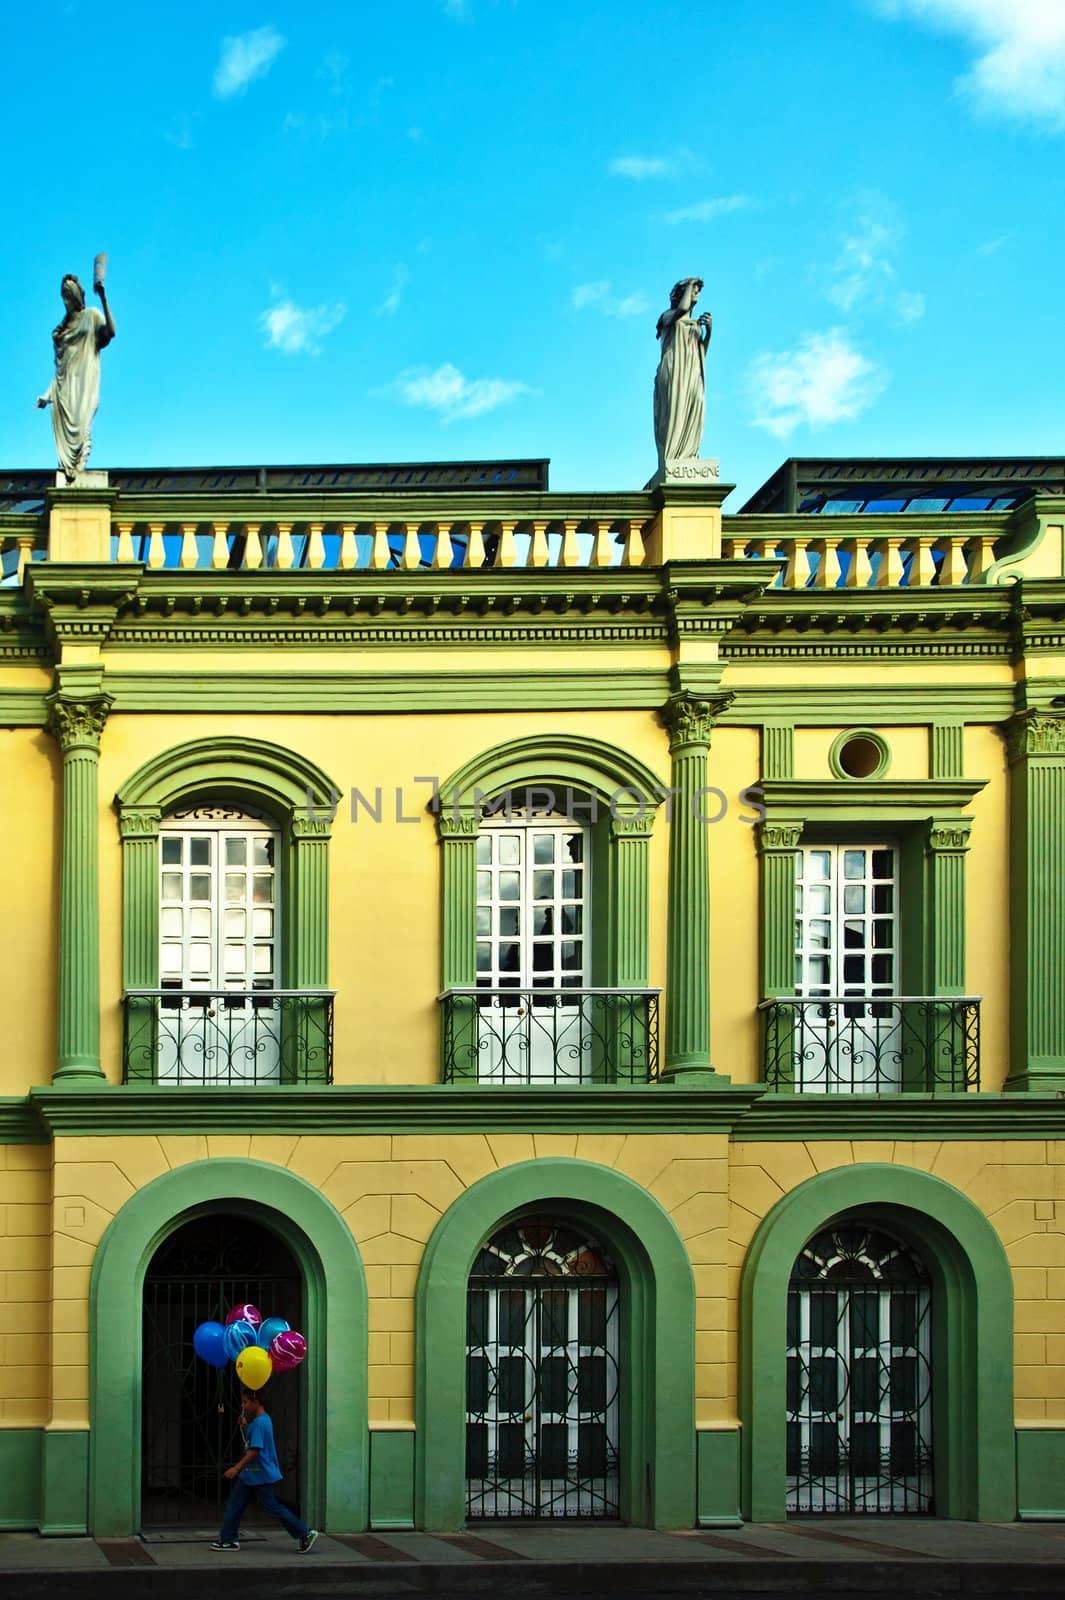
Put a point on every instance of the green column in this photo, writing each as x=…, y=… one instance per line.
x=630, y=839
x=308, y=950
x=948, y=840
x=779, y=840
x=1036, y=753
x=77, y=725
x=139, y=828
x=690, y=721
x=458, y=953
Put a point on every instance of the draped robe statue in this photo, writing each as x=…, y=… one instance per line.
x=74, y=392
x=680, y=395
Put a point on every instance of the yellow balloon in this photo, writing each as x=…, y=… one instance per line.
x=254, y=1367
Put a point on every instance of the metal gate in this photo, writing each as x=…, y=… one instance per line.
x=191, y=1412
x=859, y=1375
x=542, y=1376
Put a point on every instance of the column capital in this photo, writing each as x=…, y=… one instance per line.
x=949, y=834
x=139, y=822
x=690, y=719
x=640, y=826
x=307, y=827
x=1034, y=733
x=780, y=835
x=77, y=724
x=456, y=824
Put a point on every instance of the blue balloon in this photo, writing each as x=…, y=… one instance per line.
x=238, y=1336
x=209, y=1343
x=269, y=1330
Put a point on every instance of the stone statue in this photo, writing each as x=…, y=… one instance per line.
x=74, y=392
x=680, y=383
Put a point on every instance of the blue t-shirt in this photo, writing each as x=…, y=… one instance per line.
x=264, y=1469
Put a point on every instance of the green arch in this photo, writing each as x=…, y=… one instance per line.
x=572, y=760
x=234, y=763
x=337, y=1426
x=657, y=1328
x=972, y=1353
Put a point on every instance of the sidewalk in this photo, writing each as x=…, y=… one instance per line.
x=843, y=1556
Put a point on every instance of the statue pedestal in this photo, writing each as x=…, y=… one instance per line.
x=83, y=480
x=692, y=470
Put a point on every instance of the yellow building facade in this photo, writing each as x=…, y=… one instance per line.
x=594, y=963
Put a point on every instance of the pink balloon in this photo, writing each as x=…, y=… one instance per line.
x=287, y=1351
x=246, y=1313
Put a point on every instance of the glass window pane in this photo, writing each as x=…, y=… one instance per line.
x=509, y=850
x=200, y=918
x=509, y=886
x=484, y=849
x=262, y=922
x=572, y=954
x=172, y=886
x=263, y=958
x=543, y=885
x=819, y=864
x=571, y=885
x=543, y=847
x=236, y=852
x=484, y=919
x=264, y=889
x=574, y=847
x=883, y=968
x=509, y=958
x=510, y=920
x=171, y=850
x=570, y=918
x=854, y=863
x=543, y=957
x=199, y=886
x=235, y=924
x=263, y=850
x=821, y=899
x=883, y=897
x=853, y=898
x=171, y=922
x=883, y=863
x=484, y=886
x=543, y=919
x=236, y=886
x=484, y=958
x=200, y=851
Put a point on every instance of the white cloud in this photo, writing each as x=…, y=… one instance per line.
x=707, y=210
x=639, y=167
x=825, y=379
x=244, y=58
x=452, y=395
x=1019, y=46
x=599, y=295
x=864, y=270
x=299, y=329
x=393, y=299
x=909, y=307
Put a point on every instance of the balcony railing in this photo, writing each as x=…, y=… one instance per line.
x=888, y=1044
x=515, y=1036
x=227, y=1036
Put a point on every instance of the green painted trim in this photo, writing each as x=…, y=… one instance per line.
x=873, y=801
x=831, y=705
x=587, y=765
x=785, y=1116
x=132, y=1110
x=340, y=693
x=972, y=1355
x=336, y=1475
x=658, y=1335
x=843, y=739
x=64, y=1481
x=28, y=708
x=1041, y=1474
x=946, y=844
x=946, y=754
x=20, y=1473
x=391, y=1478
x=718, y=1476
x=778, y=749
x=19, y=1124
x=778, y=843
x=288, y=779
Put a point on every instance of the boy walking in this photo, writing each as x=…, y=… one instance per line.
x=253, y=1478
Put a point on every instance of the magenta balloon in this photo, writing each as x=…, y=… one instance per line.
x=288, y=1350
x=246, y=1313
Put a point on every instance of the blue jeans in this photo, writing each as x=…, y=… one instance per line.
x=240, y=1495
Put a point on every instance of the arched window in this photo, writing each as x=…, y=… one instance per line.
x=859, y=1375
x=542, y=1375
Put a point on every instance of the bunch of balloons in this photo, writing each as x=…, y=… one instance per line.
x=258, y=1346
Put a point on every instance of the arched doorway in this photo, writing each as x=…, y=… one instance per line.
x=859, y=1375
x=543, y=1375
x=190, y=1412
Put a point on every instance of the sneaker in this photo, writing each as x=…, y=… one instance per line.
x=223, y=1544
x=307, y=1542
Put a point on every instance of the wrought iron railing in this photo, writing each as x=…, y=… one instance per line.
x=550, y=1035
x=886, y=1044
x=227, y=1036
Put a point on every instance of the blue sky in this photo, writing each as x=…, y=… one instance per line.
x=445, y=229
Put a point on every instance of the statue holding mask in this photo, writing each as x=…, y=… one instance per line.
x=74, y=392
x=680, y=392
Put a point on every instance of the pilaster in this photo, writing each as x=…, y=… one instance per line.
x=778, y=841
x=689, y=720
x=947, y=843
x=630, y=839
x=77, y=725
x=1036, y=754
x=309, y=865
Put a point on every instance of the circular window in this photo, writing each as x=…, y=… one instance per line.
x=859, y=754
